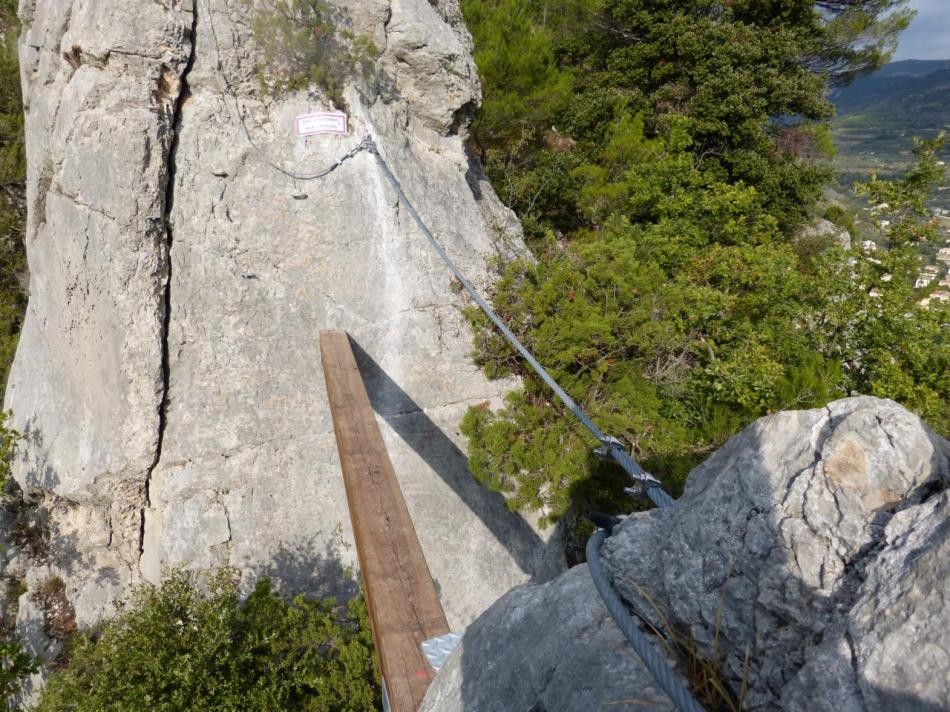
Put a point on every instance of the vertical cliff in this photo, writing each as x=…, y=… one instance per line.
x=168, y=379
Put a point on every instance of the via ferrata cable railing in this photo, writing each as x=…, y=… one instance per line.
x=611, y=448
x=667, y=678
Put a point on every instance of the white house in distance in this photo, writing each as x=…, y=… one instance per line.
x=927, y=275
x=942, y=296
x=868, y=245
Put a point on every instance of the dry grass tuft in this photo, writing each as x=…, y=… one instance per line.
x=59, y=618
x=701, y=670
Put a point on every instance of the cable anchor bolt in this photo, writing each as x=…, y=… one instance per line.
x=609, y=442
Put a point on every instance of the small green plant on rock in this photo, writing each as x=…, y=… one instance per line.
x=8, y=445
x=304, y=45
x=15, y=665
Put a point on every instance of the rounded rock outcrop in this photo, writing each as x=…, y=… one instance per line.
x=810, y=555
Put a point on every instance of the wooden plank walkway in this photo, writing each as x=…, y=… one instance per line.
x=403, y=604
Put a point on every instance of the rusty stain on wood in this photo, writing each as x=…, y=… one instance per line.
x=403, y=604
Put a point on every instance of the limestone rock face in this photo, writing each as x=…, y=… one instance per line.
x=826, y=230
x=815, y=540
x=168, y=379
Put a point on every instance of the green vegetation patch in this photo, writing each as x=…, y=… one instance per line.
x=306, y=44
x=12, y=196
x=663, y=156
x=190, y=644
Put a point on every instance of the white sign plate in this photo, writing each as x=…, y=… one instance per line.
x=332, y=122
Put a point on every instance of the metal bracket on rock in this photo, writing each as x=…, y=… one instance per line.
x=614, y=451
x=438, y=649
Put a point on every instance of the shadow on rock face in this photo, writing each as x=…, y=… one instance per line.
x=39, y=473
x=426, y=438
x=304, y=567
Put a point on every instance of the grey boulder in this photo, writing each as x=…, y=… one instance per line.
x=814, y=544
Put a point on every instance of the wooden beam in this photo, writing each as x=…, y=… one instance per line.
x=403, y=604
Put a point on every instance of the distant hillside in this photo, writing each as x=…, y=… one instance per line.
x=910, y=95
x=878, y=116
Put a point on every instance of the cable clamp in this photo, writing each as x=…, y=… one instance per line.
x=614, y=450
x=368, y=144
x=609, y=442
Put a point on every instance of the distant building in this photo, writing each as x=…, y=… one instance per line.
x=927, y=275
x=943, y=254
x=941, y=296
x=869, y=246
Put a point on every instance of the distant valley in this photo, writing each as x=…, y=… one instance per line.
x=879, y=114
x=878, y=117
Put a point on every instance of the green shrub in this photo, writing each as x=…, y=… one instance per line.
x=12, y=199
x=842, y=218
x=15, y=665
x=175, y=647
x=662, y=156
x=304, y=45
x=8, y=443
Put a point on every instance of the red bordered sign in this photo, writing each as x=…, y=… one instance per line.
x=323, y=122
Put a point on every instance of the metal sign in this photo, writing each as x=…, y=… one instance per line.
x=323, y=122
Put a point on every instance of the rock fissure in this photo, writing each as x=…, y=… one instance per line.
x=880, y=424
x=193, y=367
x=855, y=668
x=174, y=121
x=78, y=201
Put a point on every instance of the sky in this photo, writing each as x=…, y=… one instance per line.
x=928, y=36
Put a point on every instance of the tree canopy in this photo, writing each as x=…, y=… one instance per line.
x=663, y=156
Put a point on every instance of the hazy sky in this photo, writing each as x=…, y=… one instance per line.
x=928, y=36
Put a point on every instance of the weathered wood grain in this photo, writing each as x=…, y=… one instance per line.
x=403, y=604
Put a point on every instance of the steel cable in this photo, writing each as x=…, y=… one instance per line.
x=611, y=447
x=666, y=677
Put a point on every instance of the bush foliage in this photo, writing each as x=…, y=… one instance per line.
x=663, y=156
x=15, y=663
x=177, y=648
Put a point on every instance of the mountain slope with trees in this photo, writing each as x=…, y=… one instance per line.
x=910, y=95
x=877, y=115
x=663, y=156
